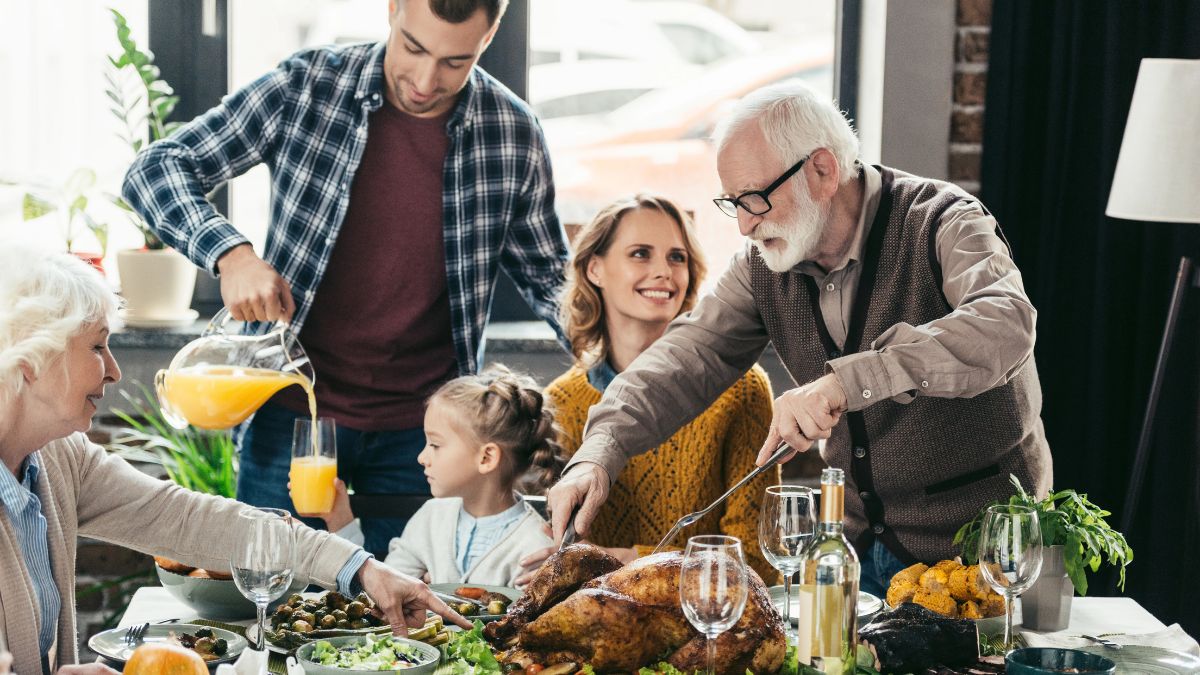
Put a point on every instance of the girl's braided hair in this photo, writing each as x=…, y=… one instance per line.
x=508, y=409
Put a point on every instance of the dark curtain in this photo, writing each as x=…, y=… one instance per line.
x=1060, y=80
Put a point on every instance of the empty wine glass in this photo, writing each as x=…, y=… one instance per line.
x=1010, y=555
x=713, y=587
x=262, y=559
x=785, y=526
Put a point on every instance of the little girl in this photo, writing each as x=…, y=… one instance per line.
x=483, y=433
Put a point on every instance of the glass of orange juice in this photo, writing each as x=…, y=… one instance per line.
x=314, y=465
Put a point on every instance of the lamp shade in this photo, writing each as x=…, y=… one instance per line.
x=1158, y=170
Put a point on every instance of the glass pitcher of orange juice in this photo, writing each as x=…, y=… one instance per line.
x=219, y=379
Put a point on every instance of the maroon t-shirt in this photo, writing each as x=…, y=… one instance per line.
x=379, y=333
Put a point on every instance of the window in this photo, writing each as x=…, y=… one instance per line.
x=56, y=117
x=659, y=141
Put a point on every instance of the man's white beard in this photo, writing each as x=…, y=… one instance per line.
x=802, y=232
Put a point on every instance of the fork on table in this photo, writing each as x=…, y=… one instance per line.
x=135, y=633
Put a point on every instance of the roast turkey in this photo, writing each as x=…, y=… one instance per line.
x=582, y=607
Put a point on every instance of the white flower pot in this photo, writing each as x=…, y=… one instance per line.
x=157, y=284
x=1046, y=606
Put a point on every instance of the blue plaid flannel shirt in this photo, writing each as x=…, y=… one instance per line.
x=307, y=120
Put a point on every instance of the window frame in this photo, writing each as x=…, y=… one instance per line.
x=190, y=41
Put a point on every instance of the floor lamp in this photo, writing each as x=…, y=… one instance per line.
x=1158, y=180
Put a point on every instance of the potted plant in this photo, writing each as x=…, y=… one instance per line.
x=70, y=202
x=1076, y=537
x=156, y=281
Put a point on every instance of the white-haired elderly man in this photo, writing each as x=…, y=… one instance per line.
x=893, y=302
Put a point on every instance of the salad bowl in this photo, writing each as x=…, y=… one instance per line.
x=376, y=653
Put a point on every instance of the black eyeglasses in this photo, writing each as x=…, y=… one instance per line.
x=755, y=202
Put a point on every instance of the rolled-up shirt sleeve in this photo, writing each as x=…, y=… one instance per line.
x=981, y=344
x=701, y=355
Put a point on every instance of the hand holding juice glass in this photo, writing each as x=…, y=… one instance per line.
x=314, y=465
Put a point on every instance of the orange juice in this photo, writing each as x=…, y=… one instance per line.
x=312, y=483
x=220, y=397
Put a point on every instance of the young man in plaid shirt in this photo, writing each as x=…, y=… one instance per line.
x=404, y=178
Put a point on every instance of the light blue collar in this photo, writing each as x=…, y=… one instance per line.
x=15, y=493
x=601, y=375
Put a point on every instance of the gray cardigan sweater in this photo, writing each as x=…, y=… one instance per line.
x=87, y=492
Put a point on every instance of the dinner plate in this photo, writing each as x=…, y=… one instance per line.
x=868, y=605
x=510, y=593
x=111, y=643
x=1149, y=660
x=252, y=636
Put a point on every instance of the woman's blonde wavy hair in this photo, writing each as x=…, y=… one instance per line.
x=46, y=298
x=583, y=306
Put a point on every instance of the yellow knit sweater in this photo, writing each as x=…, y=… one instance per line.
x=694, y=467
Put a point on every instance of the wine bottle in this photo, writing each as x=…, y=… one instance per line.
x=830, y=574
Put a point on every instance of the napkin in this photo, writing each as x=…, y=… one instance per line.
x=252, y=662
x=1172, y=637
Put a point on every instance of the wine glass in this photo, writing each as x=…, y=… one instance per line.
x=262, y=559
x=1010, y=555
x=713, y=587
x=785, y=526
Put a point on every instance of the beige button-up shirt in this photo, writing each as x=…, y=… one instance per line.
x=979, y=345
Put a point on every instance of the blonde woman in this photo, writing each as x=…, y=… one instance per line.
x=636, y=267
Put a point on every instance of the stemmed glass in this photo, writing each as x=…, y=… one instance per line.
x=262, y=559
x=1010, y=556
x=785, y=526
x=713, y=587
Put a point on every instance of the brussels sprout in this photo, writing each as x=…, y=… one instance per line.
x=295, y=600
x=301, y=615
x=496, y=607
x=359, y=623
x=343, y=623
x=340, y=615
x=301, y=626
x=335, y=600
x=284, y=611
x=355, y=610
x=328, y=621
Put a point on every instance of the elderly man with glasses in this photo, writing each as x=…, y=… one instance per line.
x=895, y=305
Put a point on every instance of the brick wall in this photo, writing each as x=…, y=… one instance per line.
x=974, y=18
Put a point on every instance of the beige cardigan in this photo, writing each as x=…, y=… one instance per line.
x=87, y=492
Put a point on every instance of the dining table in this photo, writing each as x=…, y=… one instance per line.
x=1095, y=616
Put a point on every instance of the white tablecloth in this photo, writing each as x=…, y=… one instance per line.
x=1088, y=615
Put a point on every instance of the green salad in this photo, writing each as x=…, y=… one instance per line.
x=376, y=653
x=467, y=653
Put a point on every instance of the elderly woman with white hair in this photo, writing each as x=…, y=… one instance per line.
x=55, y=314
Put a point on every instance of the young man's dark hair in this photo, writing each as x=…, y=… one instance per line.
x=458, y=11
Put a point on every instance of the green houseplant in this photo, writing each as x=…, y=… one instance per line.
x=204, y=461
x=1070, y=520
x=157, y=282
x=70, y=201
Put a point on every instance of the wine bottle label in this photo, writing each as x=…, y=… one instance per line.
x=832, y=502
x=804, y=623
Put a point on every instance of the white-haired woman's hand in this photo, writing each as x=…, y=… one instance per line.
x=402, y=600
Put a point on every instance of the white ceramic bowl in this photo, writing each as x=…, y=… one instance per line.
x=214, y=598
